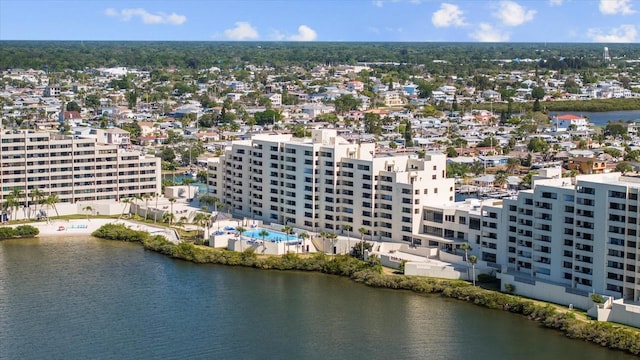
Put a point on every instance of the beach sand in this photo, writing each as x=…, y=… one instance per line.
x=86, y=227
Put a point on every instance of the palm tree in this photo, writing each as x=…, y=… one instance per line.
x=348, y=228
x=263, y=234
x=304, y=236
x=362, y=231
x=333, y=238
x=171, y=201
x=188, y=181
x=146, y=198
x=512, y=165
x=200, y=220
x=135, y=202
x=17, y=194
x=88, y=209
x=125, y=202
x=477, y=168
x=287, y=230
x=52, y=200
x=323, y=236
x=207, y=222
x=473, y=260
x=13, y=204
x=168, y=217
x=155, y=213
x=240, y=230
x=501, y=178
x=207, y=201
x=466, y=248
x=38, y=197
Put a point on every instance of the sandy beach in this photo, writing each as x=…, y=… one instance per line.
x=86, y=227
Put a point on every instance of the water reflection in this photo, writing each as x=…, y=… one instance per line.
x=75, y=298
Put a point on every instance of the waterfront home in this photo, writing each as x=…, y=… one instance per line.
x=568, y=122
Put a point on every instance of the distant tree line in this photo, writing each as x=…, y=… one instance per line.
x=456, y=58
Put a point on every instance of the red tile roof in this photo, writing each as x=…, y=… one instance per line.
x=568, y=117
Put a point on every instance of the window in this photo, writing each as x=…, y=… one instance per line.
x=433, y=216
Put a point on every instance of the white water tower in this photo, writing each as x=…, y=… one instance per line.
x=605, y=55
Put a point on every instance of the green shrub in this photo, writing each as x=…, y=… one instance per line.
x=7, y=232
x=510, y=288
x=597, y=299
x=27, y=230
x=19, y=231
x=120, y=232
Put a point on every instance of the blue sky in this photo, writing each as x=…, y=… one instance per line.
x=605, y=21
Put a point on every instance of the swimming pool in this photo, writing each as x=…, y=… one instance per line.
x=273, y=236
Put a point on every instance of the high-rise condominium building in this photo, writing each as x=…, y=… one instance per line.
x=75, y=168
x=581, y=235
x=325, y=183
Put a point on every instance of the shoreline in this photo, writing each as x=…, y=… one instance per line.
x=84, y=227
x=610, y=335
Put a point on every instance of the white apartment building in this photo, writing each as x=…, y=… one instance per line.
x=583, y=236
x=73, y=167
x=478, y=223
x=325, y=183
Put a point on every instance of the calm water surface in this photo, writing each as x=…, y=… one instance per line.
x=601, y=118
x=91, y=299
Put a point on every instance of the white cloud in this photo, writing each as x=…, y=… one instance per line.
x=621, y=34
x=448, y=15
x=276, y=35
x=487, y=33
x=613, y=7
x=305, y=33
x=146, y=17
x=512, y=13
x=378, y=3
x=242, y=31
x=555, y=2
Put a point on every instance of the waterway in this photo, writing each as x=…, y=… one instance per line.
x=85, y=298
x=601, y=118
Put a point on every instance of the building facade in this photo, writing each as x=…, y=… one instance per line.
x=568, y=122
x=328, y=184
x=474, y=222
x=583, y=236
x=73, y=167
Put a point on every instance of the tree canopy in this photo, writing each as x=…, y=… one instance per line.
x=268, y=116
